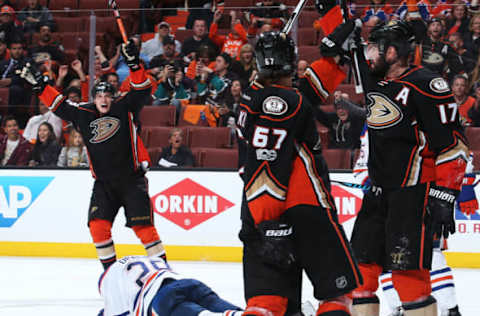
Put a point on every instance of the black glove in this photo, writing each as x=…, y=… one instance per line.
x=332, y=44
x=441, y=203
x=276, y=246
x=131, y=55
x=323, y=6
x=30, y=73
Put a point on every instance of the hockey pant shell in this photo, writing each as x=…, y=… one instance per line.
x=393, y=229
x=187, y=297
x=131, y=193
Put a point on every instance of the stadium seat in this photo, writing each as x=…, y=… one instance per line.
x=100, y=7
x=338, y=158
x=181, y=35
x=63, y=7
x=473, y=136
x=198, y=155
x=158, y=136
x=70, y=24
x=220, y=158
x=157, y=116
x=309, y=53
x=307, y=36
x=307, y=18
x=154, y=154
x=476, y=160
x=211, y=137
x=4, y=94
x=103, y=24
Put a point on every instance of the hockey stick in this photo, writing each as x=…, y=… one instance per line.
x=294, y=16
x=113, y=4
x=352, y=185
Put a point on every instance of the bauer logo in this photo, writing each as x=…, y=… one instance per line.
x=188, y=204
x=347, y=204
x=17, y=194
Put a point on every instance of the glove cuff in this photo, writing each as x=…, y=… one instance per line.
x=443, y=194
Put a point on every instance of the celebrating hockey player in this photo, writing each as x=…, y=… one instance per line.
x=416, y=164
x=144, y=286
x=289, y=220
x=108, y=127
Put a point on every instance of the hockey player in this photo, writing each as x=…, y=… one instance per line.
x=107, y=125
x=145, y=286
x=289, y=220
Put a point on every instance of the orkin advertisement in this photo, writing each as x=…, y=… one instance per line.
x=191, y=208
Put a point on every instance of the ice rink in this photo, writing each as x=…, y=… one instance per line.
x=60, y=287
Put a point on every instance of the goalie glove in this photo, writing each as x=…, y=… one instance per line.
x=33, y=76
x=441, y=202
x=276, y=246
x=467, y=201
x=131, y=55
x=333, y=44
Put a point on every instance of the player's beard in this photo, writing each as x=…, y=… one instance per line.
x=379, y=68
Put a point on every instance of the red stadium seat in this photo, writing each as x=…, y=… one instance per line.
x=211, y=137
x=157, y=116
x=307, y=18
x=181, y=35
x=154, y=154
x=307, y=36
x=198, y=154
x=220, y=158
x=103, y=24
x=70, y=24
x=309, y=53
x=240, y=4
x=158, y=136
x=473, y=136
x=338, y=158
x=63, y=7
x=100, y=7
x=476, y=160
x=4, y=94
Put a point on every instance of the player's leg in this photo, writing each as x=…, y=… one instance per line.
x=443, y=286
x=390, y=294
x=139, y=213
x=101, y=213
x=193, y=309
x=368, y=243
x=409, y=249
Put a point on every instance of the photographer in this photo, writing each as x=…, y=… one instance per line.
x=172, y=86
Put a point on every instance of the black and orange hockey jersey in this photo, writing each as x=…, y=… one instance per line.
x=111, y=139
x=283, y=166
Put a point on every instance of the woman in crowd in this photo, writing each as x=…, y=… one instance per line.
x=176, y=154
x=75, y=153
x=46, y=149
x=245, y=67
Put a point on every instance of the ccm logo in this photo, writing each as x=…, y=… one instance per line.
x=279, y=232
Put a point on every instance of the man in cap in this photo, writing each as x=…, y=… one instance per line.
x=154, y=47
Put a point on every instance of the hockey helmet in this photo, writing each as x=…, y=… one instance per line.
x=276, y=55
x=103, y=86
x=395, y=33
x=323, y=6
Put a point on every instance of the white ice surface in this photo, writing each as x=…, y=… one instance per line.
x=68, y=287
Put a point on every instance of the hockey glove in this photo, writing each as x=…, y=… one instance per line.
x=467, y=201
x=331, y=45
x=131, y=55
x=441, y=202
x=276, y=246
x=33, y=76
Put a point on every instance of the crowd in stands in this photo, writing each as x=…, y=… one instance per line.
x=200, y=59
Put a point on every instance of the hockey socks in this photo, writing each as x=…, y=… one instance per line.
x=100, y=230
x=151, y=241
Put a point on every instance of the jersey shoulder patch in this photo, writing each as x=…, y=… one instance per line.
x=274, y=105
x=439, y=85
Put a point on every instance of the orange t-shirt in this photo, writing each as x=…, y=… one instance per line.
x=464, y=107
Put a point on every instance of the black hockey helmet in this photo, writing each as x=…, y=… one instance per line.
x=103, y=86
x=395, y=33
x=276, y=55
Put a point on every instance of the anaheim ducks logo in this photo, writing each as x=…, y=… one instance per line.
x=382, y=112
x=103, y=129
x=433, y=58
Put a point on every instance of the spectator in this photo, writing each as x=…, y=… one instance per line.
x=472, y=38
x=15, y=150
x=113, y=79
x=169, y=55
x=73, y=94
x=4, y=51
x=75, y=153
x=8, y=30
x=379, y=9
x=266, y=12
x=436, y=54
x=232, y=101
x=46, y=148
x=345, y=124
x=463, y=100
x=154, y=46
x=199, y=10
x=301, y=67
x=458, y=21
x=245, y=67
x=199, y=38
x=213, y=86
x=420, y=11
x=18, y=95
x=231, y=43
x=31, y=129
x=203, y=57
x=474, y=112
x=172, y=87
x=34, y=15
x=46, y=48
x=466, y=56
x=176, y=154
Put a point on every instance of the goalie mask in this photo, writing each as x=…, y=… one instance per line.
x=276, y=55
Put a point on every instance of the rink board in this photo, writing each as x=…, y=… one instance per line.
x=197, y=214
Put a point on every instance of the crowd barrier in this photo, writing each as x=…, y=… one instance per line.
x=197, y=213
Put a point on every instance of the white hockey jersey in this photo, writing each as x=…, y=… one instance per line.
x=130, y=284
